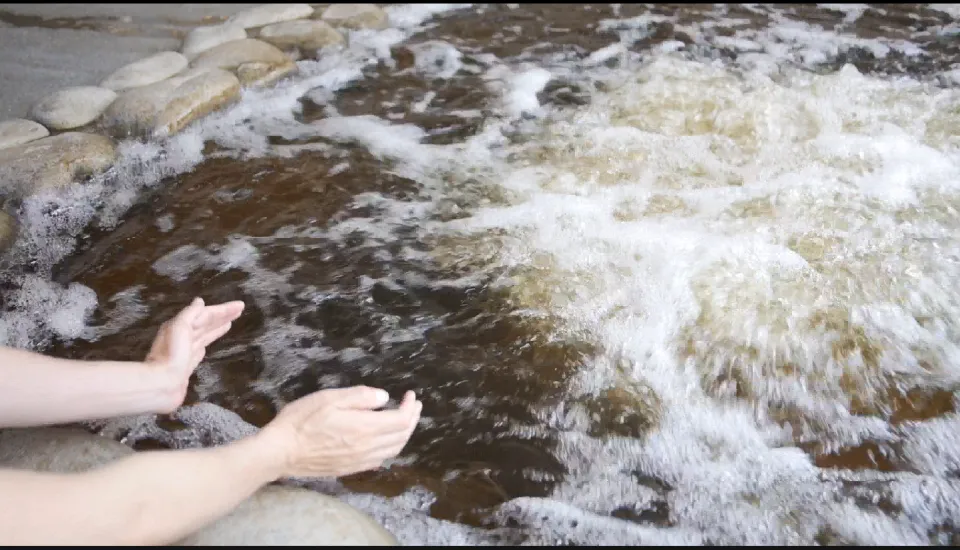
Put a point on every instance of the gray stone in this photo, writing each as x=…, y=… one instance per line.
x=274, y=515
x=202, y=39
x=19, y=131
x=356, y=16
x=152, y=69
x=196, y=98
x=308, y=34
x=72, y=107
x=53, y=161
x=270, y=13
x=231, y=55
x=284, y=516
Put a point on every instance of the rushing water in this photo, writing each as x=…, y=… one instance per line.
x=660, y=274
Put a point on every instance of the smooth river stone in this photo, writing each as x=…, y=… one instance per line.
x=54, y=161
x=274, y=515
x=8, y=231
x=202, y=39
x=195, y=98
x=152, y=69
x=263, y=74
x=134, y=113
x=18, y=131
x=308, y=34
x=270, y=13
x=355, y=16
x=231, y=55
x=72, y=107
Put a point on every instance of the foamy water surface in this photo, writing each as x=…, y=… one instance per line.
x=673, y=275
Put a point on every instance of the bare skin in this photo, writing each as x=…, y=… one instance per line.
x=159, y=497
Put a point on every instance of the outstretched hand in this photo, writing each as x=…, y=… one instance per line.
x=182, y=342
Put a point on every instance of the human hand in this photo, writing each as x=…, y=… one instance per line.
x=181, y=343
x=337, y=432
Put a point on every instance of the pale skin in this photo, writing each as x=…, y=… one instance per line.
x=159, y=497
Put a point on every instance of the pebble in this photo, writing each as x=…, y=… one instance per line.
x=152, y=69
x=18, y=131
x=306, y=34
x=72, y=107
x=134, y=113
x=202, y=39
x=195, y=98
x=231, y=55
x=53, y=161
x=258, y=74
x=270, y=13
x=356, y=16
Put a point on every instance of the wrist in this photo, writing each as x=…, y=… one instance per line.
x=271, y=451
x=169, y=390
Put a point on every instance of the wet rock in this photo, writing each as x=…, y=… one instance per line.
x=134, y=113
x=18, y=131
x=72, y=107
x=274, y=515
x=263, y=74
x=563, y=93
x=53, y=161
x=278, y=515
x=202, y=39
x=231, y=55
x=195, y=98
x=150, y=70
x=8, y=231
x=306, y=35
x=269, y=14
x=355, y=16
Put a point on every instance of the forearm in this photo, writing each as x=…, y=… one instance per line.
x=37, y=390
x=149, y=498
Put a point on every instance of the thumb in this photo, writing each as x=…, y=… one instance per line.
x=359, y=397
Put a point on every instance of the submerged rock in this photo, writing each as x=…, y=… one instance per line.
x=72, y=107
x=202, y=39
x=195, y=98
x=9, y=227
x=152, y=69
x=231, y=55
x=18, y=131
x=274, y=515
x=308, y=34
x=263, y=74
x=355, y=16
x=53, y=162
x=270, y=13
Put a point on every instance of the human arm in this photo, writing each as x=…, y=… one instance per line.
x=159, y=497
x=37, y=390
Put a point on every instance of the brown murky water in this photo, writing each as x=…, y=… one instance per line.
x=478, y=365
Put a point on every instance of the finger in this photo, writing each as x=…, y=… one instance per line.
x=189, y=313
x=359, y=398
x=212, y=335
x=217, y=315
x=384, y=422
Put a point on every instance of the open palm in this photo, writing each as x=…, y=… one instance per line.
x=182, y=342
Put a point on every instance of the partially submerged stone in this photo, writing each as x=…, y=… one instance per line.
x=307, y=34
x=281, y=516
x=202, y=39
x=274, y=515
x=72, y=107
x=9, y=227
x=54, y=161
x=356, y=16
x=270, y=13
x=18, y=131
x=134, y=113
x=195, y=98
x=149, y=70
x=230, y=55
x=263, y=74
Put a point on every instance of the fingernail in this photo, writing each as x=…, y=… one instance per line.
x=382, y=396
